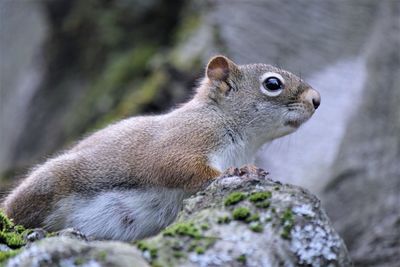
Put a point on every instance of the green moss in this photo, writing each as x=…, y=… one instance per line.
x=5, y=255
x=260, y=196
x=287, y=222
x=102, y=255
x=144, y=246
x=153, y=252
x=234, y=198
x=51, y=234
x=287, y=216
x=10, y=234
x=178, y=254
x=263, y=204
x=200, y=246
x=285, y=234
x=256, y=227
x=5, y=223
x=241, y=213
x=192, y=245
x=253, y=218
x=242, y=259
x=199, y=250
x=156, y=264
x=19, y=229
x=174, y=244
x=209, y=241
x=12, y=239
x=204, y=226
x=183, y=229
x=79, y=261
x=224, y=219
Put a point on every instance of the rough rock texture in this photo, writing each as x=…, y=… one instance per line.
x=241, y=219
x=363, y=197
x=66, y=251
x=249, y=220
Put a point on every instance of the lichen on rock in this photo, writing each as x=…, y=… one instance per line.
x=67, y=251
x=242, y=218
x=291, y=230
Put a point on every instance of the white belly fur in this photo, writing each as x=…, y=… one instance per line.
x=233, y=155
x=119, y=215
x=135, y=214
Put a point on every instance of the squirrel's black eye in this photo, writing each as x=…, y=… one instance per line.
x=273, y=84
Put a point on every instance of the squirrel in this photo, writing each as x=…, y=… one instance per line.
x=128, y=180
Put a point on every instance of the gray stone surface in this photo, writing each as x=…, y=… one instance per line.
x=287, y=228
x=241, y=219
x=363, y=197
x=66, y=251
x=23, y=30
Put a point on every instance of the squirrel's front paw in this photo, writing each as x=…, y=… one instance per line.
x=231, y=171
x=249, y=170
x=246, y=171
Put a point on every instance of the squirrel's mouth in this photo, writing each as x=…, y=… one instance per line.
x=294, y=123
x=296, y=118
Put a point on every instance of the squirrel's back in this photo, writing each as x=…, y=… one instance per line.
x=127, y=155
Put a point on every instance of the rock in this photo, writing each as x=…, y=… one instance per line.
x=4, y=247
x=241, y=219
x=248, y=220
x=35, y=235
x=69, y=247
x=67, y=251
x=363, y=197
x=72, y=233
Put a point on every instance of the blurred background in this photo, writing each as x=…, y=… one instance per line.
x=70, y=67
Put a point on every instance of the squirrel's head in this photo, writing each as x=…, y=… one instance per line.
x=268, y=100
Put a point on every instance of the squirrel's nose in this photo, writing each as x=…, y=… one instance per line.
x=313, y=97
x=316, y=101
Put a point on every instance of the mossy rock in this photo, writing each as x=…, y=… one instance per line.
x=12, y=236
x=240, y=232
x=234, y=198
x=67, y=251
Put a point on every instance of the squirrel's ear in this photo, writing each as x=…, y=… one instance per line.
x=219, y=68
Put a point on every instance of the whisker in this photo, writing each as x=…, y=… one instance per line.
x=251, y=121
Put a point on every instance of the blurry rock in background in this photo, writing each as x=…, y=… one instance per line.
x=23, y=29
x=88, y=64
x=363, y=197
x=69, y=67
